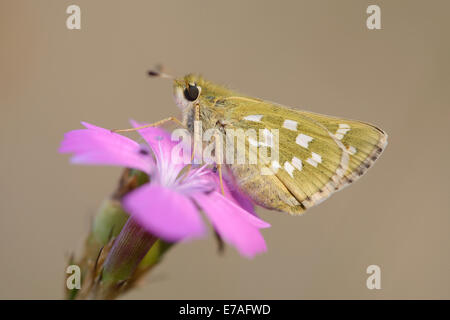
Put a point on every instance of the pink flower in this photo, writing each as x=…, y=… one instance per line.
x=167, y=206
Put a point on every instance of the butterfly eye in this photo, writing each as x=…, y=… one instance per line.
x=191, y=93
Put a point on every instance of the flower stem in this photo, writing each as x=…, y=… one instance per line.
x=118, y=252
x=129, y=248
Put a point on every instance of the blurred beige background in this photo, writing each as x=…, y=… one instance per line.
x=317, y=55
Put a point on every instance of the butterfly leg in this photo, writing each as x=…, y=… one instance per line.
x=155, y=124
x=219, y=168
x=197, y=118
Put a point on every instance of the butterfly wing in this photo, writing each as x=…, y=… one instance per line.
x=318, y=155
x=363, y=141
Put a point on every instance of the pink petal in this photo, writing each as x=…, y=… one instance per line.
x=164, y=213
x=231, y=192
x=243, y=200
x=162, y=145
x=196, y=180
x=235, y=225
x=99, y=146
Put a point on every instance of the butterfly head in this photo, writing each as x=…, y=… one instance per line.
x=187, y=91
x=193, y=89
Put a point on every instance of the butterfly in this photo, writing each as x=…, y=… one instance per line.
x=317, y=154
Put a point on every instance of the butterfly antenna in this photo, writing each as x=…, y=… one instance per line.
x=158, y=72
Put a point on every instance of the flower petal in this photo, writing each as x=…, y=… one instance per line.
x=164, y=212
x=243, y=200
x=235, y=225
x=196, y=180
x=99, y=146
x=232, y=192
x=162, y=144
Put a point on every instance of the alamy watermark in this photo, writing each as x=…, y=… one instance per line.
x=373, y=21
x=374, y=280
x=230, y=146
x=73, y=21
x=74, y=280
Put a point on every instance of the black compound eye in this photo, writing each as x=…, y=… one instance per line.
x=191, y=92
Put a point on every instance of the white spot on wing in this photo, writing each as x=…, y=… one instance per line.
x=254, y=117
x=351, y=150
x=342, y=130
x=314, y=160
x=297, y=163
x=303, y=140
x=290, y=124
x=289, y=168
x=275, y=166
x=311, y=162
x=316, y=157
x=340, y=172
